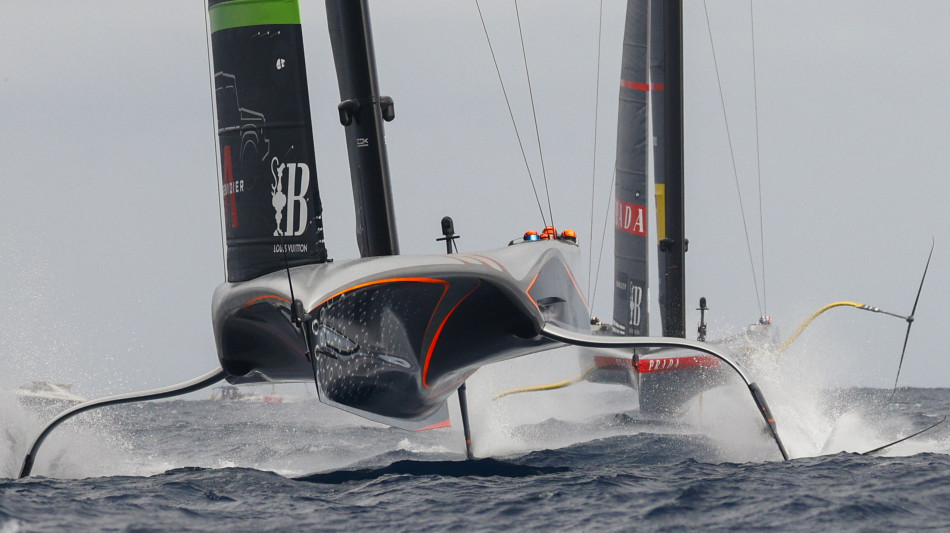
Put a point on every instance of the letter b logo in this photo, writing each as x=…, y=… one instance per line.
x=297, y=198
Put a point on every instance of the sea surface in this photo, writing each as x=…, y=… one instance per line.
x=553, y=461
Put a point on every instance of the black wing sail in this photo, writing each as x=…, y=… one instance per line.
x=631, y=301
x=272, y=211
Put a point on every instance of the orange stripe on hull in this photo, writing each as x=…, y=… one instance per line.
x=444, y=283
x=435, y=338
x=447, y=423
x=253, y=301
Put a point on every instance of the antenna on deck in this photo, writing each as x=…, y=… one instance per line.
x=702, y=319
x=449, y=236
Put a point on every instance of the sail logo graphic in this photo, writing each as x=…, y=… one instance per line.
x=231, y=187
x=290, y=207
x=636, y=299
x=631, y=218
x=658, y=365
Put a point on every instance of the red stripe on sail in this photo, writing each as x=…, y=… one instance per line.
x=635, y=85
x=638, y=86
x=229, y=185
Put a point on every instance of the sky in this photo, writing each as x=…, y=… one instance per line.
x=110, y=246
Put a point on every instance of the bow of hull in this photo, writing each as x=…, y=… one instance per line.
x=393, y=337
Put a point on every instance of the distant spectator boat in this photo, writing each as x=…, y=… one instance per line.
x=41, y=394
x=232, y=393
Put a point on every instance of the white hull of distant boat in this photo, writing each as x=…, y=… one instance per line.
x=233, y=394
x=45, y=395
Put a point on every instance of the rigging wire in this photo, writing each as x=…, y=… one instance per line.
x=534, y=112
x=514, y=123
x=735, y=172
x=217, y=166
x=603, y=236
x=758, y=168
x=593, y=172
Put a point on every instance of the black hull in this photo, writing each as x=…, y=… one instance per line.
x=401, y=334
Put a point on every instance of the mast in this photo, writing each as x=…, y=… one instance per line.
x=668, y=124
x=362, y=112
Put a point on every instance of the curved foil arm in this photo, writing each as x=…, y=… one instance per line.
x=602, y=341
x=198, y=383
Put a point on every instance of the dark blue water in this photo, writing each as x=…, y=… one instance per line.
x=235, y=466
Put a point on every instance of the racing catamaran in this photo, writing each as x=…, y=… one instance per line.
x=386, y=336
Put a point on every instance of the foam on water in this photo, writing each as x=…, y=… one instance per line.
x=665, y=477
x=89, y=445
x=409, y=445
x=305, y=437
x=817, y=416
x=814, y=414
x=521, y=423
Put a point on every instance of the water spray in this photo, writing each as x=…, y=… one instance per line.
x=909, y=318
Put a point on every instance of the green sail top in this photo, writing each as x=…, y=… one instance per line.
x=239, y=13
